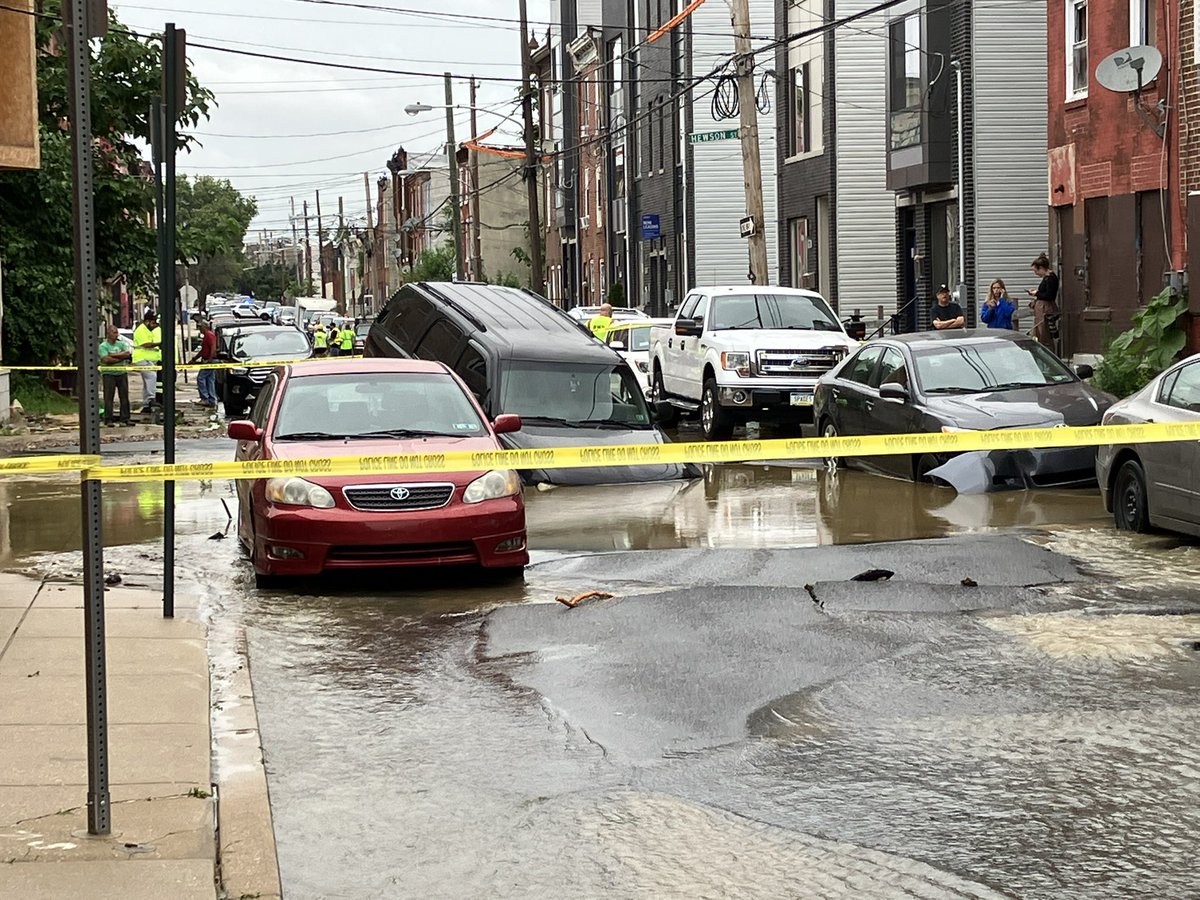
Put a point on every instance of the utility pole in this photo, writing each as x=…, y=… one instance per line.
x=295, y=243
x=307, y=254
x=321, y=245
x=452, y=163
x=536, y=279
x=751, y=160
x=78, y=30
x=476, y=239
x=340, y=239
x=368, y=257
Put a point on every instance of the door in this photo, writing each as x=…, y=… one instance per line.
x=887, y=416
x=852, y=394
x=253, y=450
x=1173, y=482
x=905, y=320
x=692, y=350
x=673, y=375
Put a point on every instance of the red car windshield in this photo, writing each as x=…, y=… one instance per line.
x=396, y=404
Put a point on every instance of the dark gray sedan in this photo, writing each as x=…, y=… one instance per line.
x=1155, y=485
x=968, y=380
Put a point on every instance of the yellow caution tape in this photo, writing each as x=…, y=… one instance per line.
x=25, y=465
x=657, y=454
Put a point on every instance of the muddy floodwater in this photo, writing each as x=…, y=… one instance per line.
x=1011, y=714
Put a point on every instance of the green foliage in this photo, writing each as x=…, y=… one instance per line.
x=1151, y=345
x=212, y=220
x=267, y=282
x=37, y=398
x=35, y=206
x=433, y=265
x=509, y=279
x=616, y=294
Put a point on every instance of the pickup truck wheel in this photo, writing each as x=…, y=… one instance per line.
x=715, y=422
x=658, y=393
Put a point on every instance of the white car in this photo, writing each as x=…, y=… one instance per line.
x=631, y=339
x=583, y=313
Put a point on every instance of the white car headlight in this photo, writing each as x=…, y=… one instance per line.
x=735, y=360
x=954, y=429
x=493, y=485
x=298, y=492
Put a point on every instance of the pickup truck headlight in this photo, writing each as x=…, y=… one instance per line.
x=298, y=492
x=736, y=361
x=493, y=485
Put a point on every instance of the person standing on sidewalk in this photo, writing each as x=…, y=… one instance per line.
x=115, y=352
x=945, y=312
x=1045, y=301
x=147, y=351
x=998, y=310
x=335, y=342
x=206, y=379
x=346, y=339
x=320, y=341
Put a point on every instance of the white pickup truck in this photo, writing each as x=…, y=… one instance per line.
x=746, y=353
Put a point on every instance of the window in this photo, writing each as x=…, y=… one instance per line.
x=662, y=134
x=798, y=231
x=1143, y=23
x=1077, y=49
x=259, y=414
x=441, y=343
x=793, y=311
x=804, y=86
x=472, y=369
x=406, y=319
x=689, y=306
x=860, y=368
x=905, y=88
x=1185, y=390
x=971, y=369
x=891, y=369
x=573, y=393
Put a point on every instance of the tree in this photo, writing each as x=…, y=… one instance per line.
x=434, y=265
x=267, y=282
x=35, y=207
x=213, y=217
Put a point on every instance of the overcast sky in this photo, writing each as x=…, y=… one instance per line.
x=263, y=103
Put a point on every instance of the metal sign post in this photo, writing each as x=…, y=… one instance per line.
x=87, y=349
x=174, y=98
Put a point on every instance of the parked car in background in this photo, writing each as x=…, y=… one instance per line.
x=257, y=349
x=738, y=354
x=947, y=381
x=631, y=339
x=1155, y=485
x=519, y=354
x=583, y=313
x=360, y=336
x=304, y=526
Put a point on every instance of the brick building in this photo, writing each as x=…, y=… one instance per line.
x=1117, y=225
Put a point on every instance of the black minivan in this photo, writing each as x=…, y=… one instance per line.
x=520, y=354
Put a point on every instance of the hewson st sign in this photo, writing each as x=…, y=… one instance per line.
x=703, y=137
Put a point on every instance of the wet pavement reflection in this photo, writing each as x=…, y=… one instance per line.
x=1035, y=749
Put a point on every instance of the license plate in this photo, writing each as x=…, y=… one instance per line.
x=802, y=398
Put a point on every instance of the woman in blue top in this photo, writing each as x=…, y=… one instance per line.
x=997, y=310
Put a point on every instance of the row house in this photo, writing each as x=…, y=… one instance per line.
x=884, y=192
x=1124, y=166
x=406, y=221
x=503, y=212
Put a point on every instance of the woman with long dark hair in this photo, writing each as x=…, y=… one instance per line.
x=1045, y=300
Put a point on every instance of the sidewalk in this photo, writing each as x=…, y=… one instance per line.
x=163, y=841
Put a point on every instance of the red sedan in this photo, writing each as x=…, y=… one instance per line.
x=304, y=526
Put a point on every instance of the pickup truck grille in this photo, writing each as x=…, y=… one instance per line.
x=802, y=363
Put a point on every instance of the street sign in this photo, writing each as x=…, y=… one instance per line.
x=703, y=137
x=747, y=226
x=650, y=227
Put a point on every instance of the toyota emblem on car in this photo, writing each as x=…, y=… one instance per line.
x=400, y=493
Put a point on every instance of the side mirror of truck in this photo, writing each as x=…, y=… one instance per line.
x=688, y=328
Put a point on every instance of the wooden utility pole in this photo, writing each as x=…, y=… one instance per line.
x=307, y=254
x=295, y=243
x=368, y=247
x=476, y=248
x=751, y=160
x=532, y=170
x=321, y=246
x=340, y=237
x=455, y=206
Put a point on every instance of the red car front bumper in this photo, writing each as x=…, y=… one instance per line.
x=292, y=540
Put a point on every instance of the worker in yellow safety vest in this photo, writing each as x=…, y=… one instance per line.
x=147, y=351
x=346, y=336
x=320, y=340
x=599, y=324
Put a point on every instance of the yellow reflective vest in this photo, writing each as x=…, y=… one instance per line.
x=144, y=335
x=599, y=326
x=347, y=337
x=320, y=340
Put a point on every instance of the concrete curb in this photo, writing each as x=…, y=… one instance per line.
x=247, y=863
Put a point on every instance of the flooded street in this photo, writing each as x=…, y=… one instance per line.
x=1010, y=715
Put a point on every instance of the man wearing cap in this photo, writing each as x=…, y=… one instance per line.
x=206, y=379
x=945, y=312
x=147, y=351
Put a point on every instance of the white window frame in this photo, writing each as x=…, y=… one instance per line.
x=1141, y=30
x=804, y=15
x=1070, y=46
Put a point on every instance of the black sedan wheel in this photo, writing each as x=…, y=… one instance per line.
x=1131, y=509
x=922, y=466
x=829, y=430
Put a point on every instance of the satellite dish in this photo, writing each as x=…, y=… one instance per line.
x=1130, y=69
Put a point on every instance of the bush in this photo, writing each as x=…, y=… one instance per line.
x=1134, y=357
x=37, y=398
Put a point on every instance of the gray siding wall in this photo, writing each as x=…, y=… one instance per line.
x=721, y=254
x=1011, y=222
x=865, y=217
